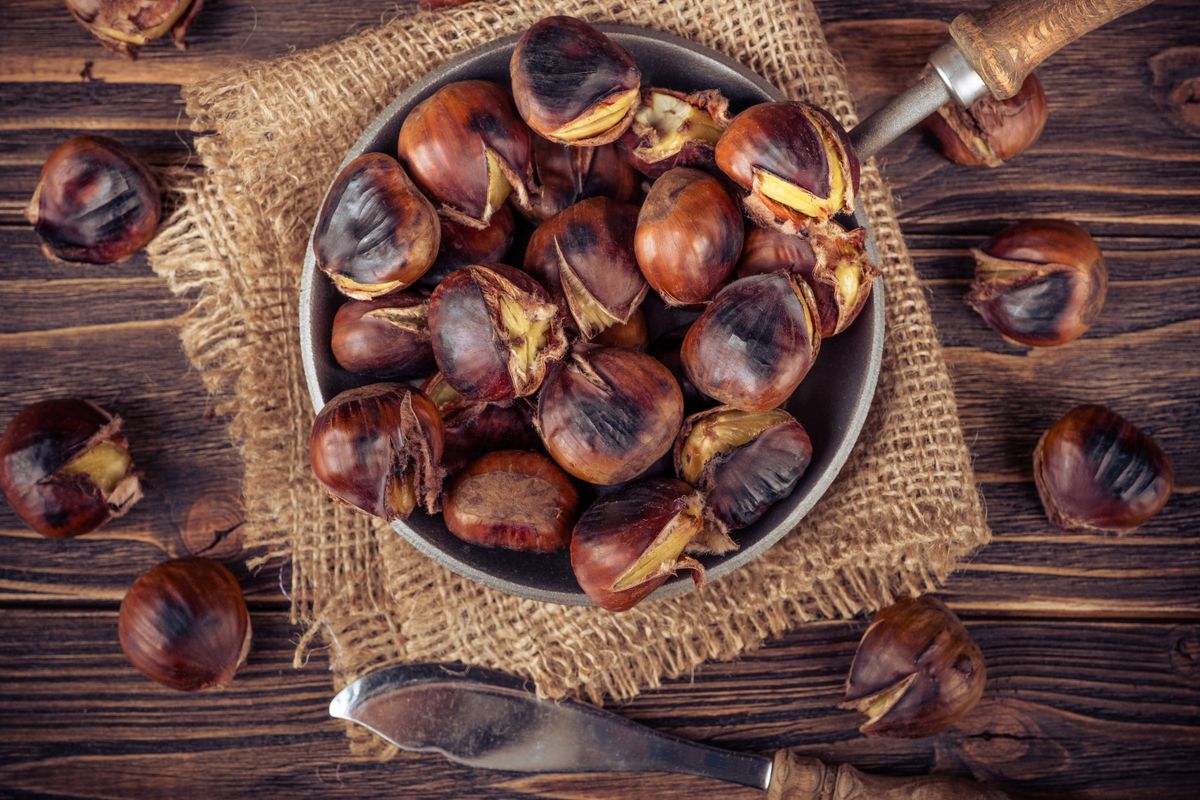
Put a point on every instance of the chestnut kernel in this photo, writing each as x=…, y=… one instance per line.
x=991, y=131
x=631, y=334
x=916, y=672
x=184, y=624
x=570, y=174
x=673, y=129
x=689, y=236
x=125, y=26
x=742, y=462
x=607, y=414
x=384, y=338
x=1095, y=471
x=585, y=257
x=572, y=84
x=512, y=499
x=494, y=332
x=629, y=543
x=463, y=245
x=65, y=467
x=473, y=428
x=1040, y=282
x=466, y=148
x=95, y=202
x=378, y=448
x=376, y=232
x=795, y=162
x=755, y=342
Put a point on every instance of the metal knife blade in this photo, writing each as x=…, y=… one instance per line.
x=488, y=719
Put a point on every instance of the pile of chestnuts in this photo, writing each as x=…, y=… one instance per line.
x=585, y=302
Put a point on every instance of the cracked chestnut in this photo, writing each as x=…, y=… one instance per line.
x=125, y=26
x=463, y=245
x=568, y=174
x=384, y=338
x=991, y=131
x=673, y=129
x=473, y=428
x=632, y=333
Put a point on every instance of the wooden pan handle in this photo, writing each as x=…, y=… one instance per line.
x=797, y=777
x=1005, y=42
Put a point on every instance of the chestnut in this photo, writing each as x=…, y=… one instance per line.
x=570, y=174
x=467, y=149
x=794, y=161
x=689, y=236
x=631, y=334
x=376, y=232
x=755, y=342
x=378, y=448
x=743, y=462
x=585, y=257
x=630, y=542
x=125, y=26
x=463, y=245
x=512, y=499
x=494, y=332
x=572, y=84
x=1095, y=471
x=65, y=467
x=674, y=129
x=916, y=672
x=95, y=202
x=991, y=131
x=1040, y=282
x=184, y=624
x=472, y=428
x=607, y=414
x=384, y=338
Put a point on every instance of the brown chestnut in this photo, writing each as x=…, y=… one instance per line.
x=125, y=26
x=95, y=202
x=607, y=414
x=378, y=448
x=65, y=467
x=463, y=245
x=384, y=338
x=1095, y=471
x=794, y=161
x=631, y=334
x=466, y=148
x=570, y=174
x=743, y=462
x=184, y=624
x=585, y=257
x=991, y=131
x=572, y=84
x=494, y=332
x=917, y=670
x=512, y=499
x=473, y=428
x=674, y=129
x=376, y=232
x=755, y=342
x=629, y=543
x=689, y=236
x=1040, y=282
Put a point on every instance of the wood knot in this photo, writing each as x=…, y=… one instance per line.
x=1002, y=738
x=1176, y=76
x=1185, y=651
x=212, y=527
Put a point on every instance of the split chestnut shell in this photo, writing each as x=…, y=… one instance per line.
x=125, y=26
x=384, y=338
x=568, y=174
x=674, y=129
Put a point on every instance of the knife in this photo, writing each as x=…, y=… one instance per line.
x=992, y=50
x=491, y=720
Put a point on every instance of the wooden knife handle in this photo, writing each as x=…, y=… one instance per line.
x=1005, y=42
x=797, y=777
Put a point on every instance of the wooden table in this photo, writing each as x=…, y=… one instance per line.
x=1092, y=641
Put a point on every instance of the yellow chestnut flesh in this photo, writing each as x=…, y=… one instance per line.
x=673, y=129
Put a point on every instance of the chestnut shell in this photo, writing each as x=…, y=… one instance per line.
x=568, y=174
x=463, y=245
x=991, y=131
x=384, y=338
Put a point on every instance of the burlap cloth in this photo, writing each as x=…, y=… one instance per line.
x=902, y=514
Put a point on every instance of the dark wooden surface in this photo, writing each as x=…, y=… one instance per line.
x=1092, y=641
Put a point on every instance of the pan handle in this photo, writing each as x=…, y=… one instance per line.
x=1005, y=42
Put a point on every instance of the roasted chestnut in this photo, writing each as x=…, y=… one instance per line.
x=378, y=448
x=570, y=174
x=607, y=414
x=755, y=342
x=473, y=428
x=572, y=84
x=95, y=202
x=917, y=670
x=795, y=162
x=629, y=543
x=689, y=236
x=585, y=257
x=463, y=245
x=1040, y=282
x=673, y=129
x=494, y=332
x=384, y=338
x=125, y=26
x=742, y=462
x=65, y=467
x=466, y=148
x=832, y=261
x=632, y=334
x=991, y=131
x=1095, y=471
x=512, y=499
x=376, y=232
x=184, y=624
